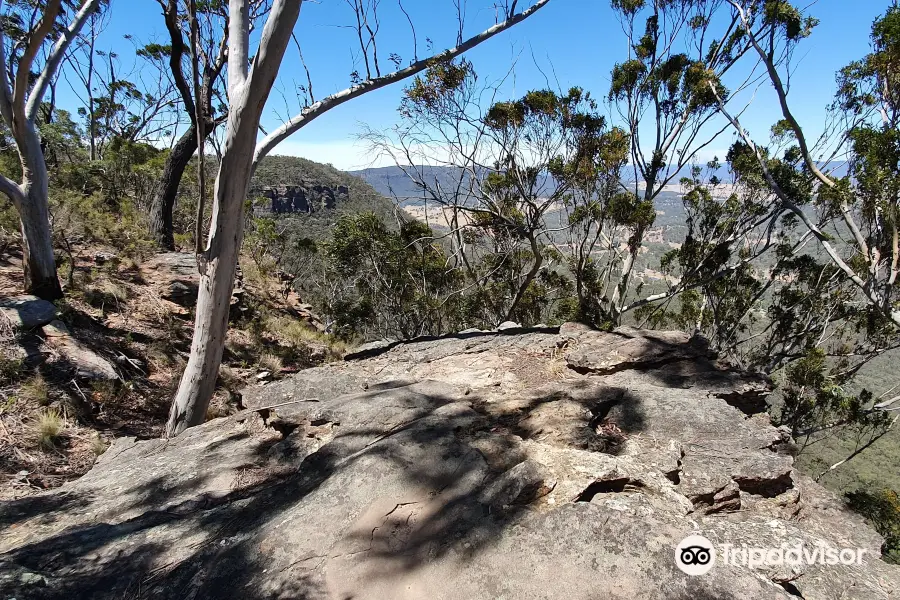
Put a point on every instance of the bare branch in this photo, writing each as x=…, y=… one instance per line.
x=5, y=91
x=12, y=190
x=872, y=295
x=309, y=84
x=23, y=68
x=272, y=44
x=319, y=108
x=200, y=121
x=56, y=55
x=413, y=28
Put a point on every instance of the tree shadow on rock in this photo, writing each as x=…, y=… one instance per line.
x=408, y=477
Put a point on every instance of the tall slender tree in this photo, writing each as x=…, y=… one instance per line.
x=202, y=98
x=21, y=96
x=249, y=85
x=866, y=201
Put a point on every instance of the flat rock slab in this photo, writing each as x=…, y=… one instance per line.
x=27, y=312
x=175, y=276
x=480, y=465
x=86, y=363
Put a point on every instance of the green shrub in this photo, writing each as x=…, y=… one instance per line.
x=882, y=510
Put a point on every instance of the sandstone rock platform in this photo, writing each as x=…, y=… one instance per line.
x=554, y=463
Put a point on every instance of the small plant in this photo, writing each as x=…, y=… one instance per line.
x=98, y=444
x=10, y=370
x=65, y=311
x=215, y=411
x=300, y=335
x=271, y=362
x=105, y=392
x=49, y=427
x=106, y=295
x=8, y=404
x=36, y=390
x=162, y=355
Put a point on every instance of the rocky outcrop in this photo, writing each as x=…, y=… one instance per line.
x=83, y=362
x=53, y=348
x=304, y=198
x=543, y=464
x=26, y=311
x=175, y=277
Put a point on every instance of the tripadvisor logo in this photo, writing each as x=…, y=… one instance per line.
x=696, y=555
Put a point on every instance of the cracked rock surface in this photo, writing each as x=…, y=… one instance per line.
x=547, y=463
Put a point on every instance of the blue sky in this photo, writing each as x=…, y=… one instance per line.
x=574, y=42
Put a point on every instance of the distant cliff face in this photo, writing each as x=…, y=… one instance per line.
x=304, y=198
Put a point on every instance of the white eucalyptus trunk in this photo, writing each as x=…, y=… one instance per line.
x=248, y=89
x=20, y=102
x=247, y=94
x=217, y=269
x=34, y=213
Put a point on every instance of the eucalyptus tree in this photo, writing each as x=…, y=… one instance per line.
x=493, y=175
x=865, y=201
x=814, y=296
x=665, y=99
x=841, y=305
x=393, y=284
x=250, y=81
x=679, y=53
x=34, y=39
x=82, y=59
x=203, y=98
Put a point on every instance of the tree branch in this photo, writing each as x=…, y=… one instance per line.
x=858, y=451
x=5, y=91
x=798, y=131
x=57, y=54
x=310, y=113
x=272, y=44
x=23, y=67
x=12, y=191
x=872, y=295
x=239, y=47
x=170, y=15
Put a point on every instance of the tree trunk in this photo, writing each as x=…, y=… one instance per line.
x=248, y=91
x=529, y=278
x=217, y=276
x=19, y=110
x=34, y=212
x=161, y=226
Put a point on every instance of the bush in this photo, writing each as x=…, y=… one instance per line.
x=91, y=218
x=882, y=510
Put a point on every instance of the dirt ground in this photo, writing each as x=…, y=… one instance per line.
x=53, y=426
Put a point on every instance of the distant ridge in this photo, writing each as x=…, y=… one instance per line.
x=392, y=182
x=314, y=194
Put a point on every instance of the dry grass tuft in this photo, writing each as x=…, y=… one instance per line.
x=36, y=390
x=98, y=444
x=271, y=362
x=48, y=428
